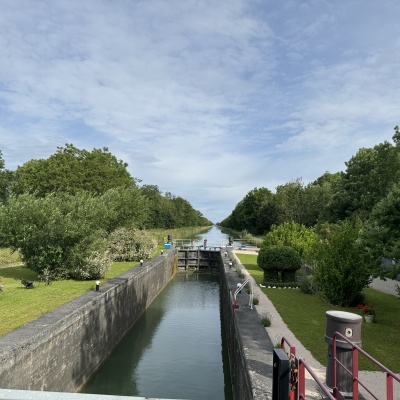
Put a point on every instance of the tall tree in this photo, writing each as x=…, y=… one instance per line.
x=368, y=178
x=340, y=272
x=71, y=170
x=291, y=202
x=6, y=181
x=246, y=215
x=292, y=234
x=380, y=236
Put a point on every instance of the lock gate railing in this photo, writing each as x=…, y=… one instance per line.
x=298, y=367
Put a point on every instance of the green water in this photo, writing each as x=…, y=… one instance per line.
x=176, y=350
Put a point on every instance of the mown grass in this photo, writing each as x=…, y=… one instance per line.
x=19, y=305
x=305, y=315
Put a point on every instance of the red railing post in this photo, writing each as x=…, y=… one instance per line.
x=355, y=372
x=356, y=350
x=389, y=387
x=302, y=381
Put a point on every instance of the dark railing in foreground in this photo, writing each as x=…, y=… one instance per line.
x=299, y=391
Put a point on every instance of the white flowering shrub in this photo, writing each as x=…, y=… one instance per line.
x=131, y=245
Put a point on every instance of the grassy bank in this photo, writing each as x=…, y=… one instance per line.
x=305, y=315
x=18, y=306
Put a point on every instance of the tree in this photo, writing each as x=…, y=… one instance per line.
x=71, y=170
x=6, y=181
x=247, y=214
x=340, y=272
x=368, y=178
x=293, y=235
x=125, y=207
x=169, y=211
x=317, y=196
x=291, y=202
x=275, y=260
x=380, y=236
x=60, y=233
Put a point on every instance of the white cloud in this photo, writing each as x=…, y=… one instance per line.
x=207, y=100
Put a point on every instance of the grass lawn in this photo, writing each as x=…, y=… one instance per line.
x=305, y=315
x=18, y=305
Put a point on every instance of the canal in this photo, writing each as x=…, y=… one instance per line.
x=176, y=350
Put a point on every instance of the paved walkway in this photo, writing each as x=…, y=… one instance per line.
x=278, y=329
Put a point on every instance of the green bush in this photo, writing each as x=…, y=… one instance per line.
x=279, y=259
x=131, y=245
x=266, y=320
x=340, y=272
x=95, y=264
x=306, y=285
x=57, y=232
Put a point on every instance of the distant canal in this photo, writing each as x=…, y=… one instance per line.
x=176, y=350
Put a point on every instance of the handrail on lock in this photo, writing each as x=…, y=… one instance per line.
x=355, y=350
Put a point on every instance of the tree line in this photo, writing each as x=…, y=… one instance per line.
x=75, y=212
x=344, y=225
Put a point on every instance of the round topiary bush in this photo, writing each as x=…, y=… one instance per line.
x=275, y=260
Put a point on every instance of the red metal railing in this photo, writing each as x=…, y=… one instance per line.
x=300, y=392
x=356, y=382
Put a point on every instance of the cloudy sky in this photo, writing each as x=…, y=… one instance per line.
x=206, y=99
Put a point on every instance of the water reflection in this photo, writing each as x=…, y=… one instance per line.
x=174, y=350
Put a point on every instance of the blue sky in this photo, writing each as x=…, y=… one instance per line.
x=206, y=99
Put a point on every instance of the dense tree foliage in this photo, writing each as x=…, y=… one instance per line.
x=6, y=181
x=380, y=236
x=62, y=212
x=71, y=170
x=368, y=178
x=294, y=235
x=169, y=211
x=59, y=232
x=252, y=213
x=131, y=245
x=318, y=220
x=340, y=272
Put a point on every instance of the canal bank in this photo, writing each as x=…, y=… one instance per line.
x=60, y=351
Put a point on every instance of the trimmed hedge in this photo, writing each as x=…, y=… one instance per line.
x=275, y=260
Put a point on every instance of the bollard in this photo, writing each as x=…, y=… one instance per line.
x=162, y=252
x=141, y=262
x=97, y=286
x=349, y=325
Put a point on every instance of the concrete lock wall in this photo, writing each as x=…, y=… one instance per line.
x=249, y=346
x=60, y=350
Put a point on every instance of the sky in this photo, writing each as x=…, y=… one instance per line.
x=206, y=99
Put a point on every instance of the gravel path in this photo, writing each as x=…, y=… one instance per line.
x=387, y=286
